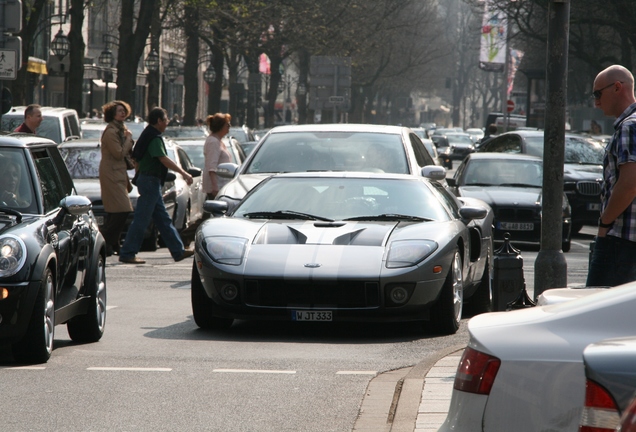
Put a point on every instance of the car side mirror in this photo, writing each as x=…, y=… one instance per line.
x=195, y=172
x=171, y=176
x=227, y=170
x=434, y=172
x=470, y=213
x=216, y=207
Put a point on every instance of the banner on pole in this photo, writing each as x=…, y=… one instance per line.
x=515, y=60
x=492, y=55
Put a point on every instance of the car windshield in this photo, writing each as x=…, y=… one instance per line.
x=82, y=162
x=186, y=132
x=459, y=139
x=578, y=150
x=323, y=151
x=342, y=198
x=92, y=133
x=16, y=187
x=502, y=172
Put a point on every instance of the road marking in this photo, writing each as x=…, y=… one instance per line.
x=579, y=244
x=25, y=368
x=356, y=373
x=263, y=371
x=110, y=307
x=134, y=369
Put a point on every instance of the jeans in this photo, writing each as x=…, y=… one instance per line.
x=613, y=262
x=150, y=207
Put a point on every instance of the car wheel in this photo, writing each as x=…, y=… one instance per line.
x=90, y=327
x=565, y=246
x=37, y=344
x=481, y=300
x=447, y=312
x=202, y=306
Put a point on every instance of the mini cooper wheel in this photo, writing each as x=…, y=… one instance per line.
x=447, y=312
x=37, y=344
x=202, y=306
x=90, y=327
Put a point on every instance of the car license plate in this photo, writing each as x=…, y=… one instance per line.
x=100, y=220
x=312, y=315
x=516, y=226
x=594, y=206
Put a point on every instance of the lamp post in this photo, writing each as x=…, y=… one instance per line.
x=60, y=47
x=105, y=60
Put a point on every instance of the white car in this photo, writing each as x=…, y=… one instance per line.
x=523, y=370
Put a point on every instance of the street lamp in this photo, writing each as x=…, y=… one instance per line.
x=209, y=75
x=105, y=60
x=60, y=45
x=152, y=61
x=171, y=71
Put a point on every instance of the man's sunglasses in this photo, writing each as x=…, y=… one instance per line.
x=597, y=93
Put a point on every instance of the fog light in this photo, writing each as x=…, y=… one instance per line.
x=399, y=295
x=4, y=293
x=229, y=292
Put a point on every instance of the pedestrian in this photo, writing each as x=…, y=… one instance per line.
x=215, y=152
x=614, y=253
x=32, y=119
x=116, y=144
x=153, y=165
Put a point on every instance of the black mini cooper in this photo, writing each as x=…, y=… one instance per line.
x=51, y=252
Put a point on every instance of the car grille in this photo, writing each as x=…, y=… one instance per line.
x=588, y=188
x=516, y=214
x=312, y=294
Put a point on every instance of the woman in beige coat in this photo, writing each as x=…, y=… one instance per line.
x=116, y=144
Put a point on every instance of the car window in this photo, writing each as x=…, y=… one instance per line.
x=16, y=188
x=422, y=155
x=503, y=144
x=449, y=200
x=74, y=125
x=54, y=186
x=459, y=139
x=82, y=163
x=186, y=163
x=67, y=127
x=195, y=154
x=501, y=172
x=583, y=151
x=341, y=151
x=534, y=145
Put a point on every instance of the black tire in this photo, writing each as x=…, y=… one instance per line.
x=446, y=314
x=90, y=327
x=37, y=344
x=202, y=306
x=566, y=245
x=482, y=300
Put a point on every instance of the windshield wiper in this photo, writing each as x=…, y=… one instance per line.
x=285, y=214
x=520, y=185
x=389, y=217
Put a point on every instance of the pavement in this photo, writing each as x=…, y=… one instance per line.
x=412, y=399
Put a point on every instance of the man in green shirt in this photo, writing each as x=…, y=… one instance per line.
x=153, y=165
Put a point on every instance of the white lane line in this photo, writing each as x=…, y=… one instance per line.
x=356, y=373
x=134, y=369
x=110, y=307
x=580, y=244
x=25, y=368
x=262, y=371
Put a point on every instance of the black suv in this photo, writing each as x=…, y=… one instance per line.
x=51, y=252
x=582, y=172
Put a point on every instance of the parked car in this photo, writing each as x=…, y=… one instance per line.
x=326, y=147
x=58, y=124
x=335, y=246
x=453, y=146
x=628, y=419
x=194, y=149
x=242, y=134
x=51, y=251
x=512, y=185
x=185, y=132
x=523, y=370
x=82, y=158
x=582, y=172
x=93, y=128
x=432, y=150
x=610, y=373
x=476, y=134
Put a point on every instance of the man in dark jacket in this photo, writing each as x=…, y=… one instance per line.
x=153, y=164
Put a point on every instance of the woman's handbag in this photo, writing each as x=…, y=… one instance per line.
x=129, y=162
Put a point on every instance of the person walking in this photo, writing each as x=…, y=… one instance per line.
x=32, y=119
x=153, y=165
x=215, y=152
x=116, y=144
x=614, y=253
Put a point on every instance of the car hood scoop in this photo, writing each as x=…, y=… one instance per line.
x=325, y=233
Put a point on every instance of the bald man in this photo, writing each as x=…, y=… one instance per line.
x=614, y=256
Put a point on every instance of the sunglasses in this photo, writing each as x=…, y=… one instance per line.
x=598, y=93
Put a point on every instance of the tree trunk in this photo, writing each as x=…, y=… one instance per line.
x=154, y=77
x=303, y=73
x=272, y=92
x=191, y=68
x=216, y=88
x=75, y=76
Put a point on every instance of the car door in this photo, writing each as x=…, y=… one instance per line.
x=196, y=195
x=71, y=233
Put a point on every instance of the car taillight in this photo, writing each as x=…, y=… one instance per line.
x=600, y=413
x=628, y=420
x=476, y=372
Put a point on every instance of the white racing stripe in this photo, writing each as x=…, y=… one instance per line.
x=262, y=371
x=134, y=369
x=356, y=373
x=25, y=368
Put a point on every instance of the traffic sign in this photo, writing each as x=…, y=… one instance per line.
x=511, y=105
x=8, y=62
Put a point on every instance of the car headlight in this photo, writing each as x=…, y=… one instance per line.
x=406, y=253
x=226, y=250
x=12, y=255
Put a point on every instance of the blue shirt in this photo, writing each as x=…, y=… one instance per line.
x=620, y=150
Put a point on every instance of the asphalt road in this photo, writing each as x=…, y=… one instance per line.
x=154, y=370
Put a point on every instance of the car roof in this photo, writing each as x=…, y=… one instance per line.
x=497, y=155
x=88, y=142
x=46, y=110
x=17, y=139
x=340, y=127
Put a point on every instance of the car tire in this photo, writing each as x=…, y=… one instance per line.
x=90, y=327
x=37, y=344
x=202, y=306
x=447, y=312
x=566, y=245
x=482, y=300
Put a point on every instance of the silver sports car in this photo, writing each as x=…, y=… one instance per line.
x=334, y=246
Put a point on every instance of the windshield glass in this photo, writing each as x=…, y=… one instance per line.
x=322, y=151
x=16, y=188
x=578, y=150
x=459, y=139
x=186, y=132
x=495, y=172
x=82, y=162
x=343, y=198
